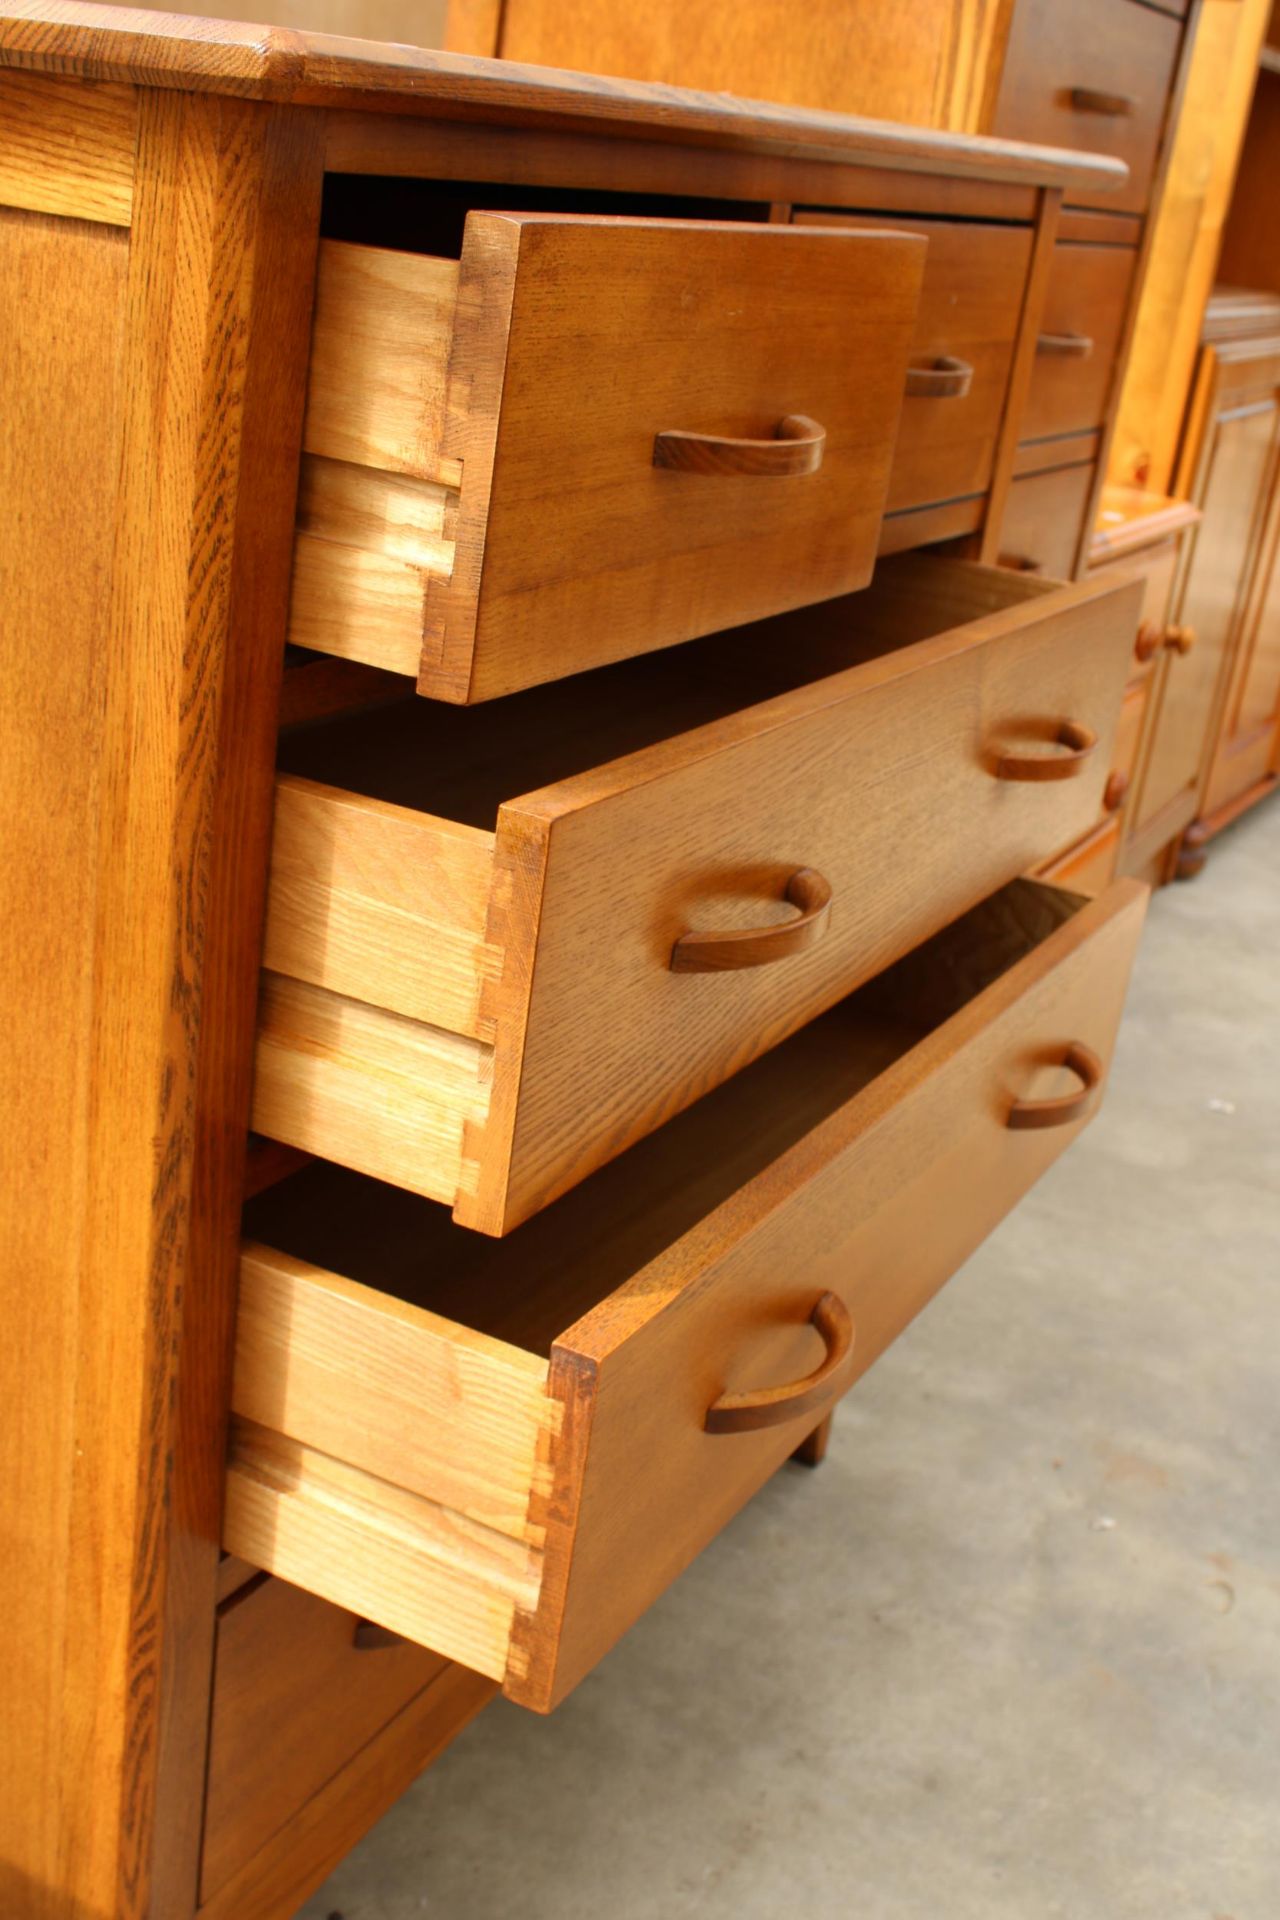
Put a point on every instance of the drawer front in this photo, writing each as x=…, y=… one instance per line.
x=297, y=1692
x=961, y=355
x=677, y=1394
x=660, y=921
x=1044, y=519
x=1079, y=336
x=1094, y=76
x=593, y=437
x=1088, y=867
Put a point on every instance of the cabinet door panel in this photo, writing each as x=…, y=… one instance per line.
x=1235, y=474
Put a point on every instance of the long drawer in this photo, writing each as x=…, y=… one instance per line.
x=590, y=437
x=506, y=1449
x=482, y=998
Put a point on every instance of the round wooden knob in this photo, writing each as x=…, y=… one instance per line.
x=1114, y=792
x=1180, y=639
x=1148, y=642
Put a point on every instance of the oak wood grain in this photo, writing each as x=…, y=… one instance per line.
x=970, y=305
x=69, y=1586
x=868, y=1154
x=1055, y=56
x=70, y=37
x=294, y=1861
x=1086, y=301
x=293, y=1701
x=66, y=148
x=592, y=1045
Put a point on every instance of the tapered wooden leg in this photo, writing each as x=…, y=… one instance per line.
x=813, y=1451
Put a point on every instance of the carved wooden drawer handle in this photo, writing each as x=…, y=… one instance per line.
x=1066, y=1107
x=796, y=447
x=1115, y=790
x=1079, y=741
x=1094, y=100
x=757, y=946
x=944, y=378
x=772, y=1406
x=1067, y=346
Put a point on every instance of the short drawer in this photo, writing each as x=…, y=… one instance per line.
x=483, y=997
x=507, y=1449
x=299, y=1688
x=1044, y=520
x=961, y=356
x=1079, y=336
x=1094, y=75
x=1088, y=867
x=588, y=438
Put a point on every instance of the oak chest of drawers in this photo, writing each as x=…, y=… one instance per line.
x=483, y=716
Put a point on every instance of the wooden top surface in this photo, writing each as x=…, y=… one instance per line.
x=315, y=69
x=1130, y=519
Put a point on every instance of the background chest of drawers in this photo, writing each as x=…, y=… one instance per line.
x=674, y=942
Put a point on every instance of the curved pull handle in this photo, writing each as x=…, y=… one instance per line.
x=757, y=946
x=772, y=1406
x=1093, y=100
x=1066, y=1107
x=1079, y=741
x=1115, y=790
x=943, y=378
x=1067, y=346
x=1180, y=639
x=797, y=447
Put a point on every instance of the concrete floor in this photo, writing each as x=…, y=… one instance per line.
x=1014, y=1652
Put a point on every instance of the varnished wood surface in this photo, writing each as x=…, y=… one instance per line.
x=577, y=535
x=293, y=1700
x=1131, y=519
x=1086, y=302
x=593, y=1046
x=70, y=1581
x=110, y=43
x=970, y=307
x=66, y=148
x=294, y=1861
x=136, y=1200
x=1118, y=52
x=693, y=1267
x=833, y=57
x=1205, y=148
x=1044, y=521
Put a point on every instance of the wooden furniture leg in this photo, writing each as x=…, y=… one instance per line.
x=813, y=1451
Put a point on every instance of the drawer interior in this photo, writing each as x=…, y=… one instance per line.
x=463, y=765
x=556, y=1268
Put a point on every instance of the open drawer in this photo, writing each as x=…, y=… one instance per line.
x=590, y=437
x=483, y=998
x=507, y=1449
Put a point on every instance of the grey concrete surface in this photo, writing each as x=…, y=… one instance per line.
x=1013, y=1653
